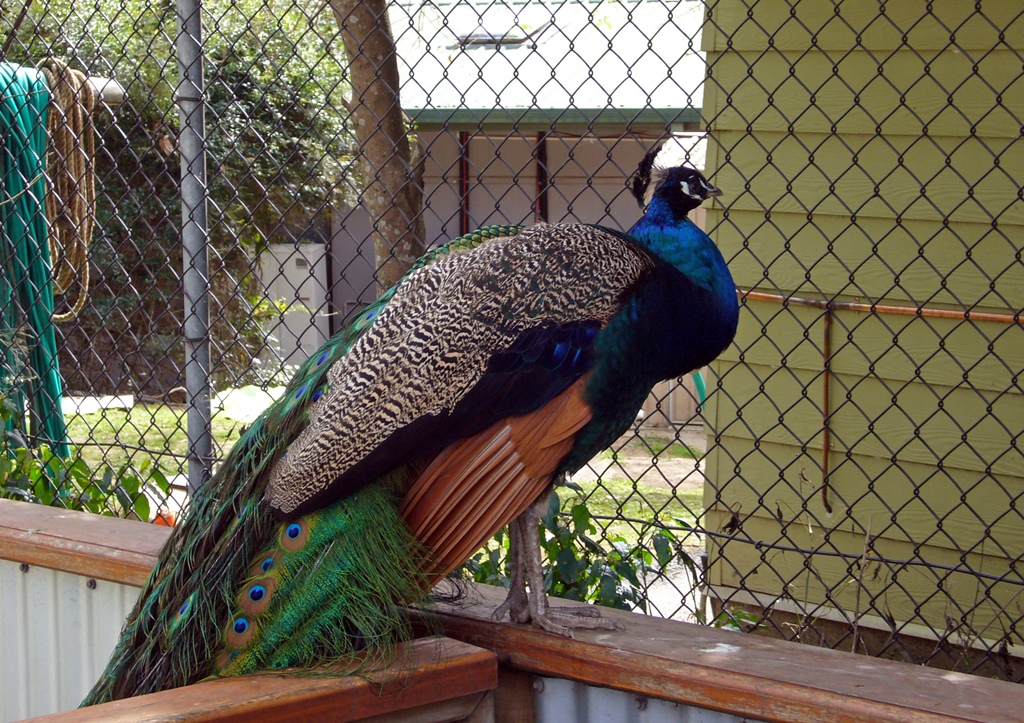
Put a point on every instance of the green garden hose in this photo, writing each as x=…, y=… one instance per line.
x=30, y=371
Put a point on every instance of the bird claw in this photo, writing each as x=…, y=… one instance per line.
x=524, y=565
x=516, y=606
x=563, y=620
x=558, y=620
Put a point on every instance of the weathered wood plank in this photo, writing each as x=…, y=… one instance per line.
x=750, y=675
x=746, y=675
x=429, y=671
x=93, y=545
x=514, y=698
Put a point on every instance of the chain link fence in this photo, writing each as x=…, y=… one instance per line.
x=848, y=473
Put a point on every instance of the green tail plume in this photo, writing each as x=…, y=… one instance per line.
x=287, y=616
x=214, y=605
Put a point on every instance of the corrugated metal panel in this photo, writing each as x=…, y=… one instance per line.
x=566, y=701
x=57, y=632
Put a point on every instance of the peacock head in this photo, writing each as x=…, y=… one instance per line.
x=683, y=188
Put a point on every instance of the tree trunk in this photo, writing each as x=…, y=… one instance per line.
x=393, y=192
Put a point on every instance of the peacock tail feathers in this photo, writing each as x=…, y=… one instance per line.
x=286, y=616
x=182, y=628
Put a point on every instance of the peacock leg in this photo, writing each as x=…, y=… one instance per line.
x=561, y=620
x=516, y=603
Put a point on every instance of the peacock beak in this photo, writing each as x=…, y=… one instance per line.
x=713, y=191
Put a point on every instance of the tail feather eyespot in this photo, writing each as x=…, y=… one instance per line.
x=294, y=535
x=255, y=597
x=239, y=632
x=264, y=565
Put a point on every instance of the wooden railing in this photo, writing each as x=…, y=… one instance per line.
x=438, y=680
x=745, y=675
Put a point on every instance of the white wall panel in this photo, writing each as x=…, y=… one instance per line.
x=56, y=633
x=566, y=701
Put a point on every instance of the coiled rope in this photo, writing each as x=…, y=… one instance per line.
x=71, y=197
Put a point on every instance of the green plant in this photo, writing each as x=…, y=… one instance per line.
x=40, y=476
x=580, y=568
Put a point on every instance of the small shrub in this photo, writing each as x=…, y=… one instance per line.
x=580, y=568
x=40, y=476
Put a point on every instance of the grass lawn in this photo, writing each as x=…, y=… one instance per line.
x=653, y=445
x=115, y=437
x=616, y=497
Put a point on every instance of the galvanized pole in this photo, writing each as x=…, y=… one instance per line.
x=194, y=239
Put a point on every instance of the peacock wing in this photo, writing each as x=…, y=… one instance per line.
x=478, y=484
x=469, y=340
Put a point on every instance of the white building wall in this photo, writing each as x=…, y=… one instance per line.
x=56, y=633
x=296, y=274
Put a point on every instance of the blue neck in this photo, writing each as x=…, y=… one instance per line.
x=680, y=243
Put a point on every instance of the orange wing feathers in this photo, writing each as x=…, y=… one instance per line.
x=479, y=484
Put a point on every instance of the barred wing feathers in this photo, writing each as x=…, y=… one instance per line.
x=462, y=343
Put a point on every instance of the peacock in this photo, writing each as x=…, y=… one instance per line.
x=499, y=363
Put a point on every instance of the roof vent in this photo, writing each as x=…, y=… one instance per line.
x=482, y=37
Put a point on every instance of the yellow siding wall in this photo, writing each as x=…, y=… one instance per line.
x=871, y=153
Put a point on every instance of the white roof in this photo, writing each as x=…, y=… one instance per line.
x=476, y=54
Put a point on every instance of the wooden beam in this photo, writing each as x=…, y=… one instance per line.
x=432, y=679
x=742, y=674
x=107, y=548
x=751, y=675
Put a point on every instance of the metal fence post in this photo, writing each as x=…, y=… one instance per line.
x=194, y=238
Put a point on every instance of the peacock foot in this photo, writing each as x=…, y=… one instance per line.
x=516, y=606
x=561, y=620
x=564, y=620
x=524, y=564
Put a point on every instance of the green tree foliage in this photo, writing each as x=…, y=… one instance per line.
x=279, y=149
